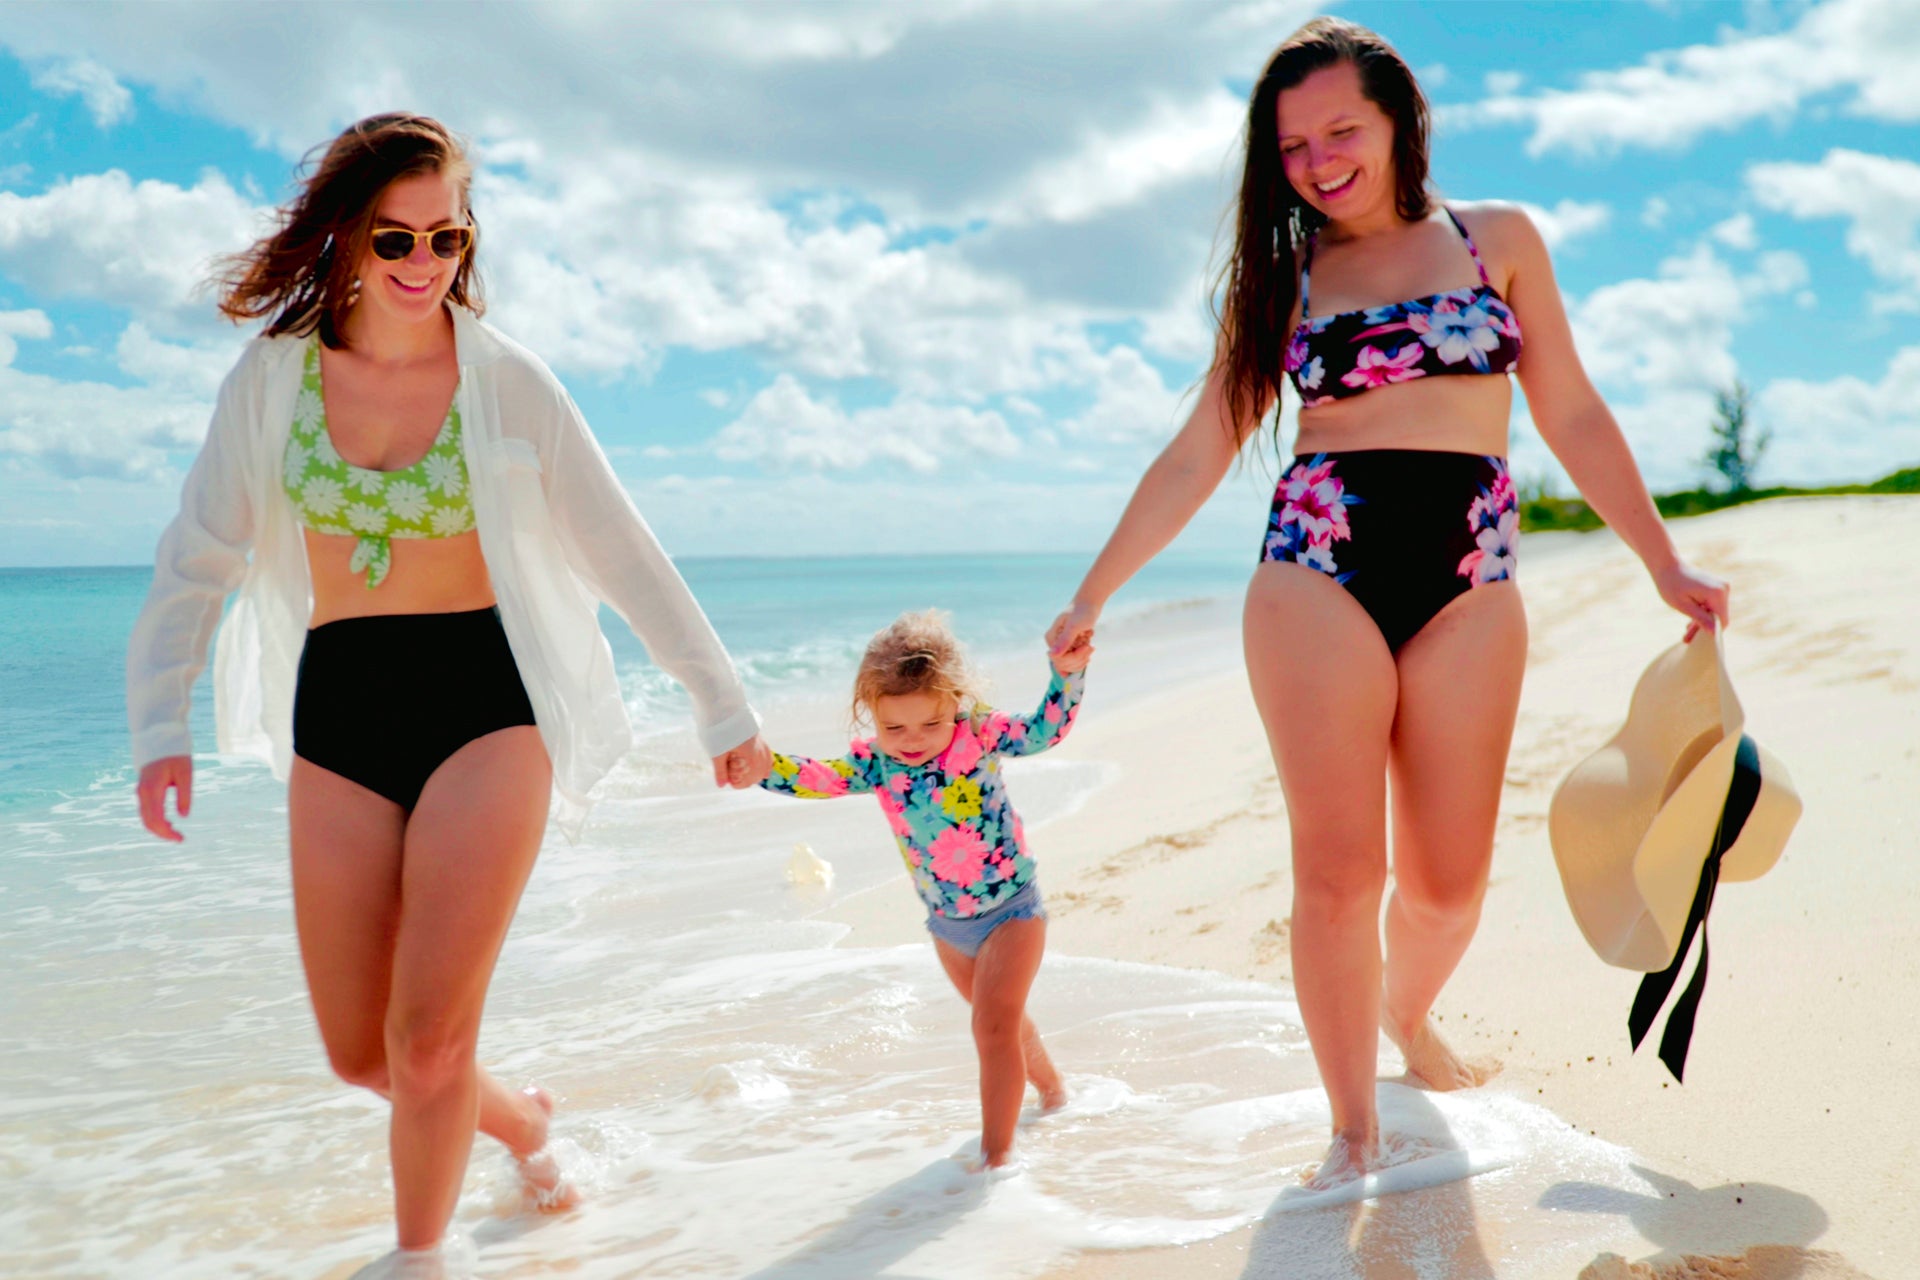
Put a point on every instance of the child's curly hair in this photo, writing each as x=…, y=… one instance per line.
x=917, y=653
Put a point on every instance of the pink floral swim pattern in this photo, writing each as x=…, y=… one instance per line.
x=1309, y=516
x=1494, y=520
x=1469, y=330
x=962, y=842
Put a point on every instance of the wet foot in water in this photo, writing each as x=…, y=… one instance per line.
x=547, y=1186
x=1348, y=1157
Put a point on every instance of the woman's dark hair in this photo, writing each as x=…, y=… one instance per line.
x=1256, y=284
x=303, y=274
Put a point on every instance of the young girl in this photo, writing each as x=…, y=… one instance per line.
x=934, y=763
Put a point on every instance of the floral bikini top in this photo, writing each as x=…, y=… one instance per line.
x=330, y=495
x=1460, y=331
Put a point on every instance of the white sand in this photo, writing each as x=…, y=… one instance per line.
x=1799, y=1126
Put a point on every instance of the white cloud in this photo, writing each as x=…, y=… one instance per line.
x=1675, y=331
x=1568, y=219
x=21, y=324
x=1176, y=142
x=1131, y=401
x=784, y=426
x=601, y=270
x=1737, y=232
x=1878, y=195
x=193, y=370
x=1504, y=84
x=694, y=187
x=92, y=429
x=147, y=246
x=1662, y=346
x=1845, y=429
x=108, y=101
x=715, y=515
x=1654, y=212
x=1865, y=48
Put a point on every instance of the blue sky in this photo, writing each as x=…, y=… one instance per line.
x=859, y=276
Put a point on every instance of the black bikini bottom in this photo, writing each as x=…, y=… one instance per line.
x=384, y=701
x=1405, y=531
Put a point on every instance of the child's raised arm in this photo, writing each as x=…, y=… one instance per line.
x=1030, y=735
x=805, y=778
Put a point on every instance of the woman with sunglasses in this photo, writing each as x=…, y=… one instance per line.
x=418, y=524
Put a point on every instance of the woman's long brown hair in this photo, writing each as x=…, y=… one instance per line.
x=303, y=274
x=1256, y=286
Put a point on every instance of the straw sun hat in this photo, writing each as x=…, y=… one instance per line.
x=1645, y=828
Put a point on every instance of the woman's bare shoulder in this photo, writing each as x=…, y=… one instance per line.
x=1498, y=226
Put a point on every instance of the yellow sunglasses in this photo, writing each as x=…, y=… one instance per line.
x=392, y=244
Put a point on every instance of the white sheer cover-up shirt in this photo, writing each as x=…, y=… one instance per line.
x=557, y=531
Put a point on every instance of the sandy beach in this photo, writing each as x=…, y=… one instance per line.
x=1793, y=1150
x=719, y=1037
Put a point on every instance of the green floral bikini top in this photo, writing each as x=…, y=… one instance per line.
x=429, y=499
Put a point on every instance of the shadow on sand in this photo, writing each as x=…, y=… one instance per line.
x=1684, y=1219
x=887, y=1226
x=1426, y=1234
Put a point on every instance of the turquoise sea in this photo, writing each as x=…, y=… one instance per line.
x=794, y=626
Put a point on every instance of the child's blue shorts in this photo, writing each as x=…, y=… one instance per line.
x=966, y=936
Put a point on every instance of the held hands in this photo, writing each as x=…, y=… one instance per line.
x=157, y=777
x=1070, y=638
x=744, y=766
x=1701, y=596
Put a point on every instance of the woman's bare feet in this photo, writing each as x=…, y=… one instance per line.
x=1004, y=1164
x=1350, y=1156
x=547, y=1186
x=1432, y=1061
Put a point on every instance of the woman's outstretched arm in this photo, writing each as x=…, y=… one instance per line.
x=1183, y=477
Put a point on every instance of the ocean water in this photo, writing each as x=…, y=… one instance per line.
x=742, y=1093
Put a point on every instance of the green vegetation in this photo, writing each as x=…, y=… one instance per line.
x=1735, y=454
x=1541, y=510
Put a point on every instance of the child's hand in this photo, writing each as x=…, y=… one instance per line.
x=1070, y=632
x=1075, y=658
x=744, y=766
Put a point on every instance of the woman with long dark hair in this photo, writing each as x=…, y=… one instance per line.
x=1384, y=632
x=418, y=524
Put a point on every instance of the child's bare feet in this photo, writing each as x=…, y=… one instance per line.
x=547, y=1186
x=1432, y=1061
x=1041, y=1073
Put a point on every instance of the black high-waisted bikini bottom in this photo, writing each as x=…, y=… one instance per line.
x=384, y=701
x=1405, y=531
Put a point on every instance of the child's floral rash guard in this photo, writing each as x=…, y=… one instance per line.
x=961, y=839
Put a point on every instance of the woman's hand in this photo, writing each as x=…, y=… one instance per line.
x=1071, y=634
x=745, y=765
x=1075, y=658
x=157, y=777
x=1701, y=596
